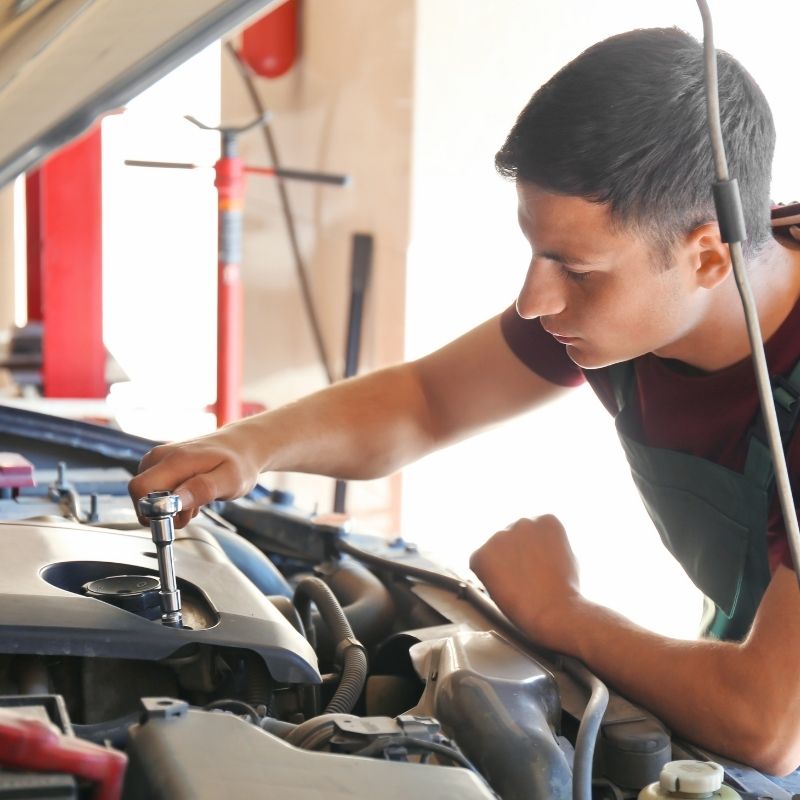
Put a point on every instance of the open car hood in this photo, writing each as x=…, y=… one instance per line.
x=63, y=63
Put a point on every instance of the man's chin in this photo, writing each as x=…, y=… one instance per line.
x=586, y=358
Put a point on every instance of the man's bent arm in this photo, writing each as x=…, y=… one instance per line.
x=361, y=428
x=741, y=700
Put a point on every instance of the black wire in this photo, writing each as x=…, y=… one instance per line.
x=302, y=272
x=229, y=704
x=410, y=742
x=314, y=734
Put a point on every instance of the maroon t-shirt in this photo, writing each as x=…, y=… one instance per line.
x=705, y=414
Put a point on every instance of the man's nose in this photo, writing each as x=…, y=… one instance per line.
x=542, y=293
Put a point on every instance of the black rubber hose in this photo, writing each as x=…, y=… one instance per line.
x=420, y=745
x=350, y=651
x=354, y=676
x=257, y=683
x=366, y=602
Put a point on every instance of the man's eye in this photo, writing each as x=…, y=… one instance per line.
x=571, y=275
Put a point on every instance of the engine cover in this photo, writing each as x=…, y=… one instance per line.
x=44, y=611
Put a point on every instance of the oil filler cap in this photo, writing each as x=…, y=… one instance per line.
x=692, y=777
x=134, y=593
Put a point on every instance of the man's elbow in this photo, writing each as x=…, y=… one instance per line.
x=773, y=759
x=769, y=741
x=776, y=754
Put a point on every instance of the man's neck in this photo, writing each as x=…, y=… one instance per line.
x=720, y=339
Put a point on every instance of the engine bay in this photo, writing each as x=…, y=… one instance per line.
x=312, y=660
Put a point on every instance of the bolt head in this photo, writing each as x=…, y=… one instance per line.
x=159, y=504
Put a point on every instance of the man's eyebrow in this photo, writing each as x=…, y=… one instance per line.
x=563, y=258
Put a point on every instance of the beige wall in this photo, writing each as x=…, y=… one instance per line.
x=345, y=108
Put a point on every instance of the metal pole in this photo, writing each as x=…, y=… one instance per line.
x=230, y=187
x=361, y=266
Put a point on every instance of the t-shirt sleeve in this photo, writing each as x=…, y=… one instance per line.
x=778, y=549
x=538, y=350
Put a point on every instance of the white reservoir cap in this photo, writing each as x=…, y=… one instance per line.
x=694, y=777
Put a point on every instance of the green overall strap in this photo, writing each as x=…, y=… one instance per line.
x=712, y=519
x=759, y=468
x=786, y=392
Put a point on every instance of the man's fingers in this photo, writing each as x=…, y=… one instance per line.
x=197, y=481
x=795, y=231
x=201, y=489
x=220, y=483
x=184, y=518
x=151, y=457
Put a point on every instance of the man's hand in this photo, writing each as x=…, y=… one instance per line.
x=219, y=466
x=530, y=571
x=795, y=231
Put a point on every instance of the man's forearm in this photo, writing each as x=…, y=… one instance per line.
x=362, y=428
x=370, y=426
x=739, y=699
x=702, y=689
x=358, y=429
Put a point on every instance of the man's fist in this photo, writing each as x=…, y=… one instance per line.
x=530, y=571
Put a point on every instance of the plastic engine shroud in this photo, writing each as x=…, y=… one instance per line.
x=44, y=610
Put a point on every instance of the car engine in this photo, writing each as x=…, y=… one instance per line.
x=309, y=661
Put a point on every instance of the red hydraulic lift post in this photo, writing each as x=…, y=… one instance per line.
x=230, y=172
x=34, y=246
x=230, y=188
x=65, y=243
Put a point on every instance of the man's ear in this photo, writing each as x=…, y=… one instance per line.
x=709, y=255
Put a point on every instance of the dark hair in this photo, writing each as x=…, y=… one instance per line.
x=624, y=123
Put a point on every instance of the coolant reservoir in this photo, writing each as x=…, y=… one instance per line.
x=690, y=779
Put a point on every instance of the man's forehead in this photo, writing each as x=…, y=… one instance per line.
x=539, y=207
x=572, y=227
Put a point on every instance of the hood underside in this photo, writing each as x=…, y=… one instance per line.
x=63, y=63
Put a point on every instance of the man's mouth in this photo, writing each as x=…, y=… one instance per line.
x=559, y=337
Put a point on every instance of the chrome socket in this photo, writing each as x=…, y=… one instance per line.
x=159, y=508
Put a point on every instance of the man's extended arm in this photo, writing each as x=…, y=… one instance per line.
x=360, y=428
x=741, y=700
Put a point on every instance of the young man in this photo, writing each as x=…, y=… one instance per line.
x=629, y=287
